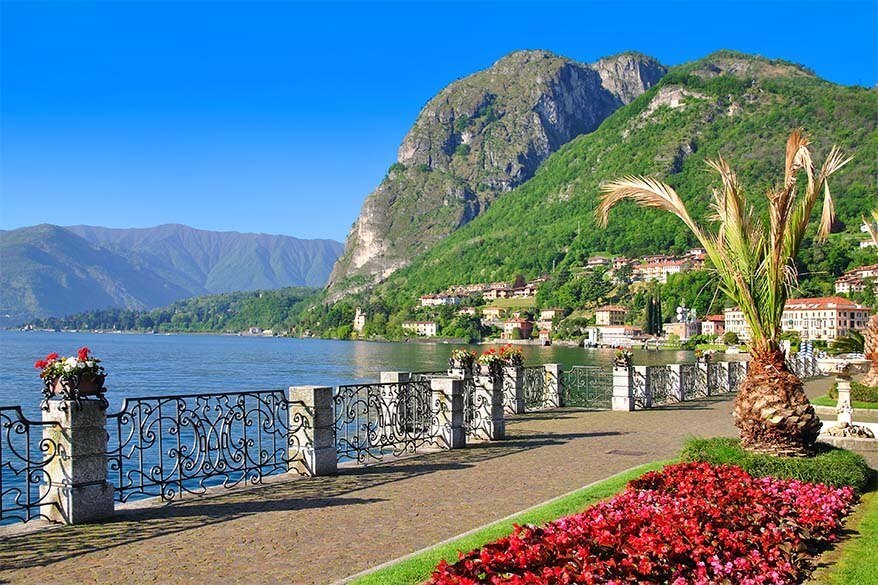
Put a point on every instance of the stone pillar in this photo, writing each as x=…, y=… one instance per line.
x=489, y=423
x=641, y=381
x=513, y=390
x=843, y=408
x=395, y=377
x=623, y=388
x=447, y=404
x=312, y=428
x=675, y=373
x=701, y=374
x=553, y=385
x=78, y=490
x=725, y=377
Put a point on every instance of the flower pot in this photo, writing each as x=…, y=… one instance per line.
x=81, y=388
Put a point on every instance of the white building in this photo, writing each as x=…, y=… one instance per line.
x=618, y=335
x=439, y=300
x=421, y=328
x=856, y=280
x=819, y=318
x=359, y=320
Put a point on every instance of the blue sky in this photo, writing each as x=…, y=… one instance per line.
x=281, y=117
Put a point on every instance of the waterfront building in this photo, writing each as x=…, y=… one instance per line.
x=545, y=337
x=610, y=315
x=421, y=328
x=549, y=314
x=618, y=335
x=682, y=329
x=713, y=325
x=471, y=311
x=823, y=318
x=524, y=327
x=596, y=261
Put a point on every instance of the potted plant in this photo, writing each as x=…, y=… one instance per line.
x=492, y=362
x=622, y=358
x=703, y=356
x=512, y=356
x=462, y=359
x=72, y=378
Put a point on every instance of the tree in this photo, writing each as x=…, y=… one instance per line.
x=731, y=338
x=754, y=262
x=870, y=335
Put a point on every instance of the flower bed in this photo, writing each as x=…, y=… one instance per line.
x=689, y=523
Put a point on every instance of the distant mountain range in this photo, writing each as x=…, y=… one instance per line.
x=48, y=270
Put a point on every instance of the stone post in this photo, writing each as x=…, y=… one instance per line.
x=553, y=385
x=701, y=373
x=675, y=372
x=843, y=407
x=447, y=404
x=725, y=377
x=312, y=420
x=642, y=375
x=77, y=490
x=513, y=389
x=489, y=423
x=623, y=388
x=395, y=377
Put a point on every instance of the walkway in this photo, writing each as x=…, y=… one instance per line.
x=318, y=530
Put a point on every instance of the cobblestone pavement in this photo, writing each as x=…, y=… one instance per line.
x=317, y=530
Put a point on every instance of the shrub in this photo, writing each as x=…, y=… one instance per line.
x=832, y=466
x=859, y=392
x=462, y=149
x=689, y=523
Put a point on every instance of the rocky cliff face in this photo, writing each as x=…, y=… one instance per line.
x=478, y=138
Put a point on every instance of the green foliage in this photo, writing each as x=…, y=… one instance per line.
x=693, y=342
x=546, y=225
x=731, y=338
x=462, y=149
x=851, y=342
x=229, y=312
x=859, y=393
x=836, y=467
x=396, y=167
x=423, y=168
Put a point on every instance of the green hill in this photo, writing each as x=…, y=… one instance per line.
x=738, y=105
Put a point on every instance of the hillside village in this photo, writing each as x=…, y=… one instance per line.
x=511, y=312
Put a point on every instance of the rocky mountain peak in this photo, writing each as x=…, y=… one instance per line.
x=479, y=137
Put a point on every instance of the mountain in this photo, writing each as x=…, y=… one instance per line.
x=48, y=270
x=480, y=137
x=737, y=105
x=52, y=271
x=212, y=262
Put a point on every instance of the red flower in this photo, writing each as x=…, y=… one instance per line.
x=40, y=364
x=83, y=354
x=51, y=357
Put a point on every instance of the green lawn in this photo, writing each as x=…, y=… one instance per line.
x=527, y=303
x=417, y=569
x=827, y=401
x=855, y=561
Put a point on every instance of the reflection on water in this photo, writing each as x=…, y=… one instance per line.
x=149, y=365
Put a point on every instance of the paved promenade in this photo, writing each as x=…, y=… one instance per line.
x=317, y=530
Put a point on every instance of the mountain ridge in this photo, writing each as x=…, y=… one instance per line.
x=53, y=270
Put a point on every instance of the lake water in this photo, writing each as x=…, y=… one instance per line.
x=150, y=365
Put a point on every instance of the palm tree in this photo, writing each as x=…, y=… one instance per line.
x=870, y=335
x=755, y=265
x=851, y=342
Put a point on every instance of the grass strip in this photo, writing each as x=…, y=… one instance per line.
x=825, y=400
x=855, y=561
x=418, y=567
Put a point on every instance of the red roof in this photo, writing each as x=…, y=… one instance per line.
x=715, y=318
x=817, y=303
x=616, y=308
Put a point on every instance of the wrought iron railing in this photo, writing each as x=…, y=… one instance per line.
x=693, y=381
x=26, y=457
x=640, y=391
x=737, y=371
x=587, y=387
x=168, y=446
x=660, y=388
x=803, y=366
x=376, y=420
x=536, y=388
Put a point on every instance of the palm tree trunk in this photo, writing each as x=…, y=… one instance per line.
x=870, y=337
x=772, y=411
